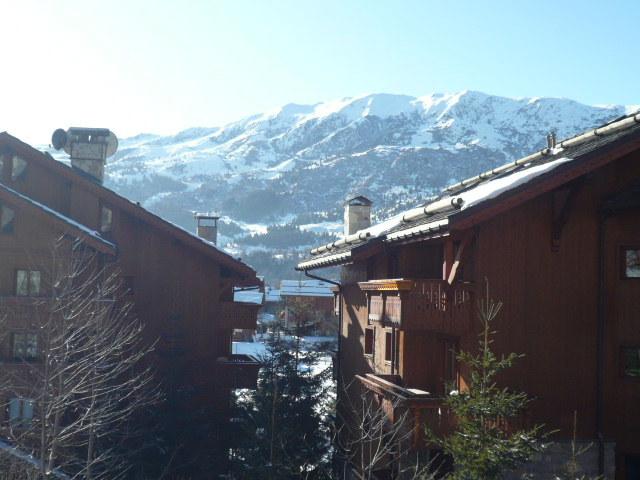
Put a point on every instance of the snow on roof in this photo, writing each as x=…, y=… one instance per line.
x=25, y=457
x=435, y=214
x=272, y=295
x=305, y=288
x=86, y=230
x=493, y=188
x=248, y=296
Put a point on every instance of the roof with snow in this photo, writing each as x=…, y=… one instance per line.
x=465, y=203
x=305, y=288
x=254, y=297
x=272, y=295
x=27, y=458
x=68, y=225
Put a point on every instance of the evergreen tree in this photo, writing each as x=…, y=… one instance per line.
x=285, y=423
x=484, y=444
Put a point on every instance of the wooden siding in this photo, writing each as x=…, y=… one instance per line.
x=547, y=279
x=179, y=284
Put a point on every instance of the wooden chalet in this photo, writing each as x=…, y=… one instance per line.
x=181, y=285
x=308, y=305
x=557, y=236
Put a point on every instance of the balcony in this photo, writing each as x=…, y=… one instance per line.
x=242, y=316
x=238, y=371
x=417, y=408
x=420, y=304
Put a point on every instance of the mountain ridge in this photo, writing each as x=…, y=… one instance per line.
x=279, y=177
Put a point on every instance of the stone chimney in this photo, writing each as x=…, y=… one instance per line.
x=207, y=226
x=87, y=147
x=357, y=214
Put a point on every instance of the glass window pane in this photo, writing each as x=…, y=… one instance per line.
x=25, y=346
x=22, y=283
x=31, y=345
x=27, y=409
x=7, y=216
x=387, y=346
x=368, y=341
x=106, y=219
x=18, y=168
x=18, y=345
x=34, y=282
x=631, y=361
x=632, y=263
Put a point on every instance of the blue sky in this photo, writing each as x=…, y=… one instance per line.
x=161, y=66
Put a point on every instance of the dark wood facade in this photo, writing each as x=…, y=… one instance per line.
x=181, y=286
x=553, y=251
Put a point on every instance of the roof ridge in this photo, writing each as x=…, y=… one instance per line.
x=608, y=128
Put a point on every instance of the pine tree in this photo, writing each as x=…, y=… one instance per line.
x=484, y=444
x=285, y=425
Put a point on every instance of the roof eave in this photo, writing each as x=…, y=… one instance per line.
x=100, y=245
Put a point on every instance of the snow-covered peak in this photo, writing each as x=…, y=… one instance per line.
x=295, y=164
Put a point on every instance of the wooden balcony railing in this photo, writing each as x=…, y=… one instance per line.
x=243, y=316
x=420, y=304
x=238, y=371
x=418, y=409
x=23, y=312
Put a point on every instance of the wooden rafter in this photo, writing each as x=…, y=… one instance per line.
x=563, y=200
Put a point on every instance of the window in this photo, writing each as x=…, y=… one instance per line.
x=20, y=411
x=631, y=362
x=18, y=168
x=369, y=337
x=106, y=219
x=631, y=262
x=27, y=283
x=25, y=346
x=7, y=217
x=388, y=346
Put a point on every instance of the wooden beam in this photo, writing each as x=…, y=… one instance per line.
x=449, y=257
x=563, y=201
x=466, y=240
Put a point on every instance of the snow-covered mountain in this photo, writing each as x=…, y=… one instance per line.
x=279, y=178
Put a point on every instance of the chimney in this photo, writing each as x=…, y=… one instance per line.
x=357, y=214
x=87, y=147
x=207, y=226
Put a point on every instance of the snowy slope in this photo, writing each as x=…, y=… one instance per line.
x=294, y=166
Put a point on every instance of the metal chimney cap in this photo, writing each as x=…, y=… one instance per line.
x=206, y=215
x=359, y=200
x=64, y=140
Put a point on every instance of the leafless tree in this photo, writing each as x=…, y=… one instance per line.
x=372, y=439
x=90, y=377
